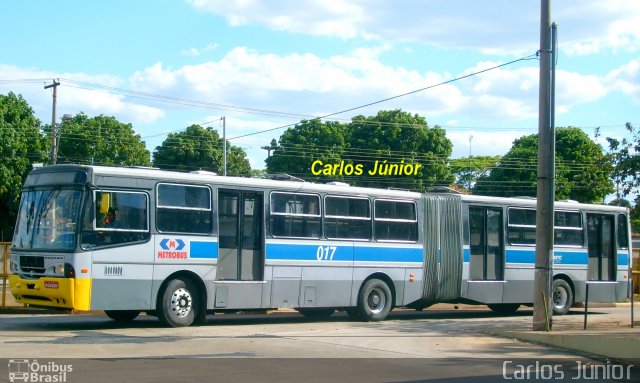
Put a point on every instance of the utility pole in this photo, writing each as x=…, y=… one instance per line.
x=54, y=149
x=542, y=300
x=224, y=145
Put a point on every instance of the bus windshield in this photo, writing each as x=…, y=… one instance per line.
x=47, y=220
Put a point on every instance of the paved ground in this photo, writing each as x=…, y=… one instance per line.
x=439, y=344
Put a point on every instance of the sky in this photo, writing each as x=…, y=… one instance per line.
x=163, y=65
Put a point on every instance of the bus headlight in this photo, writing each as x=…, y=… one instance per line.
x=59, y=269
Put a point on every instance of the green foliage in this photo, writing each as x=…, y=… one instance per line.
x=21, y=144
x=390, y=135
x=583, y=171
x=620, y=202
x=394, y=136
x=100, y=140
x=306, y=142
x=468, y=170
x=625, y=154
x=199, y=148
x=635, y=218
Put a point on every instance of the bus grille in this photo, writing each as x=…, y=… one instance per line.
x=32, y=264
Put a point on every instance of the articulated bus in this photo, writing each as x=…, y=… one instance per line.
x=179, y=245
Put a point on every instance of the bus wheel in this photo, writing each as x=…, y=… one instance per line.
x=322, y=313
x=178, y=303
x=504, y=308
x=122, y=315
x=374, y=300
x=562, y=298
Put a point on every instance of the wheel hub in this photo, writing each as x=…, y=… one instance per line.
x=560, y=298
x=376, y=300
x=181, y=302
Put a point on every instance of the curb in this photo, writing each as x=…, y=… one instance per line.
x=621, y=345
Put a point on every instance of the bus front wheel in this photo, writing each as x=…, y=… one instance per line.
x=122, y=315
x=178, y=303
x=374, y=300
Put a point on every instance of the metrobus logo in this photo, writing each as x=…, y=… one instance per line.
x=172, y=249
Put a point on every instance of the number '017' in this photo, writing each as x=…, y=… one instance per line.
x=325, y=253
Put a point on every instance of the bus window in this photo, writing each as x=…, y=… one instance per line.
x=395, y=221
x=568, y=228
x=124, y=220
x=522, y=226
x=183, y=209
x=347, y=218
x=295, y=215
x=623, y=232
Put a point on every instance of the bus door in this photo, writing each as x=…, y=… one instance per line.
x=486, y=245
x=239, y=279
x=601, y=239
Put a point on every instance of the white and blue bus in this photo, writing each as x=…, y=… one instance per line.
x=179, y=245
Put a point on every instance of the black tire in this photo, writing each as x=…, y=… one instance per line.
x=316, y=314
x=374, y=300
x=561, y=296
x=122, y=315
x=178, y=303
x=504, y=308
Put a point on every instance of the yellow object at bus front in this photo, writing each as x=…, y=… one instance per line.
x=68, y=293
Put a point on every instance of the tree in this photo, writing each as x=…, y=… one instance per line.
x=468, y=170
x=100, y=140
x=625, y=155
x=583, y=171
x=635, y=218
x=397, y=136
x=199, y=148
x=334, y=151
x=301, y=145
x=21, y=145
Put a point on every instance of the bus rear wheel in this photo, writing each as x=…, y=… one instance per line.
x=122, y=315
x=178, y=303
x=374, y=300
x=562, y=296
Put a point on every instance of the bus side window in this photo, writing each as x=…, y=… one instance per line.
x=120, y=217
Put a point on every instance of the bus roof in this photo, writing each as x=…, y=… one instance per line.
x=202, y=177
x=207, y=177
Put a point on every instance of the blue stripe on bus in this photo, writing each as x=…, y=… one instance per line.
x=203, y=249
x=303, y=252
x=623, y=259
x=466, y=256
x=560, y=257
x=278, y=251
x=387, y=254
x=565, y=257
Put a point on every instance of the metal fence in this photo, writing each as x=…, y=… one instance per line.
x=7, y=299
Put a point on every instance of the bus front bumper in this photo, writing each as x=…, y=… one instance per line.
x=66, y=293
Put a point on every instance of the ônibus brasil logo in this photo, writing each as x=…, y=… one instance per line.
x=24, y=370
x=172, y=249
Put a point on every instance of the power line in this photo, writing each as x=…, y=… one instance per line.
x=529, y=57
